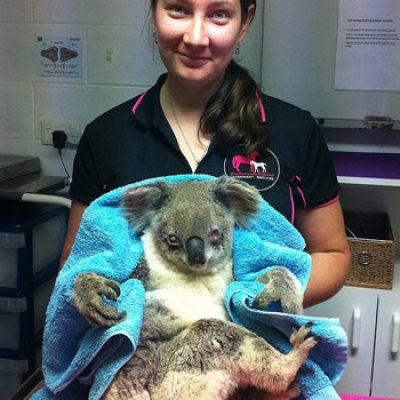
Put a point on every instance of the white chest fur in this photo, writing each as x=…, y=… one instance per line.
x=192, y=296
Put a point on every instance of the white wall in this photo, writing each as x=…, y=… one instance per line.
x=121, y=25
x=300, y=48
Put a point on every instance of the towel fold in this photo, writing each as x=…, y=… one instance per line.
x=79, y=361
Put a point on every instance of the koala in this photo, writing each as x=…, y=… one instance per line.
x=188, y=348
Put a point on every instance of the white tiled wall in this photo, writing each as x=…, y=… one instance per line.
x=118, y=26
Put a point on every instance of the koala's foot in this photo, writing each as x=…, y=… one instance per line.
x=216, y=349
x=87, y=296
x=283, y=286
x=300, y=342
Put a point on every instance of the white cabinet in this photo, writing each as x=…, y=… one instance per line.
x=371, y=319
x=386, y=378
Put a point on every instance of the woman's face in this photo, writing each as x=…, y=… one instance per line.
x=197, y=38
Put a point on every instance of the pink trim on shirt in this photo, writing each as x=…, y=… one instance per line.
x=297, y=178
x=137, y=104
x=302, y=196
x=262, y=109
x=334, y=200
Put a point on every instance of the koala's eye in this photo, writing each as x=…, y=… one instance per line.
x=173, y=240
x=215, y=235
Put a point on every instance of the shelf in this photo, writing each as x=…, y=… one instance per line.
x=354, y=180
x=378, y=169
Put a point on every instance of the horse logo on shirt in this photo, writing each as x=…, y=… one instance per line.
x=238, y=160
x=260, y=168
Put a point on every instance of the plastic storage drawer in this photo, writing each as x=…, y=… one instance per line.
x=31, y=240
x=22, y=318
x=14, y=371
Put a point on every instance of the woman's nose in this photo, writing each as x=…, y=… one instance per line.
x=196, y=33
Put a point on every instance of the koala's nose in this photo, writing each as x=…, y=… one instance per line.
x=195, y=251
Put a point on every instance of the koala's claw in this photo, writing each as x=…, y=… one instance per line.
x=283, y=286
x=87, y=297
x=300, y=338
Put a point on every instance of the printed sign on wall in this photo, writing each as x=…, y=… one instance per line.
x=59, y=57
x=368, y=45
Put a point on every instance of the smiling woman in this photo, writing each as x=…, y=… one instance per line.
x=196, y=42
x=206, y=115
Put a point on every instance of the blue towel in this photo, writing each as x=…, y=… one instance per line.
x=79, y=361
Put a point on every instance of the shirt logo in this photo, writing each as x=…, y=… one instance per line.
x=260, y=168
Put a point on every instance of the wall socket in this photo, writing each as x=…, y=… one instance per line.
x=71, y=128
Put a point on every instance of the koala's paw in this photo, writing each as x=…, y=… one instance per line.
x=87, y=296
x=299, y=339
x=283, y=286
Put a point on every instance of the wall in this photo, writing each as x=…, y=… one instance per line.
x=121, y=25
x=299, y=47
x=299, y=58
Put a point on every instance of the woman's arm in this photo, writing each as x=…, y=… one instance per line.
x=75, y=216
x=324, y=232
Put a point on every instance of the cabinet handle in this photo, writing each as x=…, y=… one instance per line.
x=355, y=336
x=395, y=332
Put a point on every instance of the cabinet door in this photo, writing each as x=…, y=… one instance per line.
x=386, y=377
x=356, y=308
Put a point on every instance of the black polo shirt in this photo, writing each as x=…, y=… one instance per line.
x=134, y=141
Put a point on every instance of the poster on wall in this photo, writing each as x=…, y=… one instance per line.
x=58, y=56
x=368, y=45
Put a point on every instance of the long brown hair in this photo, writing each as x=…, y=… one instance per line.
x=232, y=115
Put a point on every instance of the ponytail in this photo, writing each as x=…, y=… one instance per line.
x=232, y=115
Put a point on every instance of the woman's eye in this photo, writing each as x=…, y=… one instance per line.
x=220, y=15
x=177, y=10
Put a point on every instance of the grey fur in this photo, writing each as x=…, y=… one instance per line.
x=188, y=348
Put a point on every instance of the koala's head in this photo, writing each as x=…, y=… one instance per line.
x=191, y=223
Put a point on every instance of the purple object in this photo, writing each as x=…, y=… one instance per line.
x=369, y=165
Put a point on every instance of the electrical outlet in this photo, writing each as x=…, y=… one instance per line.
x=71, y=128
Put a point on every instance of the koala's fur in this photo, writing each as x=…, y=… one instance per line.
x=188, y=349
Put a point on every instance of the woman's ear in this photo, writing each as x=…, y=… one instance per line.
x=247, y=22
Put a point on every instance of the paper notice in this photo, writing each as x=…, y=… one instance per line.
x=368, y=45
x=58, y=57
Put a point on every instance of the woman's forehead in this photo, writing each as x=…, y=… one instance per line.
x=202, y=2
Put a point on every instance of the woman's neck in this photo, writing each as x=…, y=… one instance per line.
x=183, y=108
x=191, y=100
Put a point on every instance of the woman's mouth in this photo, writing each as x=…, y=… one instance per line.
x=193, y=61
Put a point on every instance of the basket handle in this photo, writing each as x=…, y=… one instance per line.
x=364, y=258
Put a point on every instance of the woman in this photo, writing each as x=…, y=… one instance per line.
x=207, y=116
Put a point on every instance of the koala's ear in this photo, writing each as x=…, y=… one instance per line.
x=240, y=198
x=142, y=203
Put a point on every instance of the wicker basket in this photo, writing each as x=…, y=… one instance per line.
x=372, y=248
